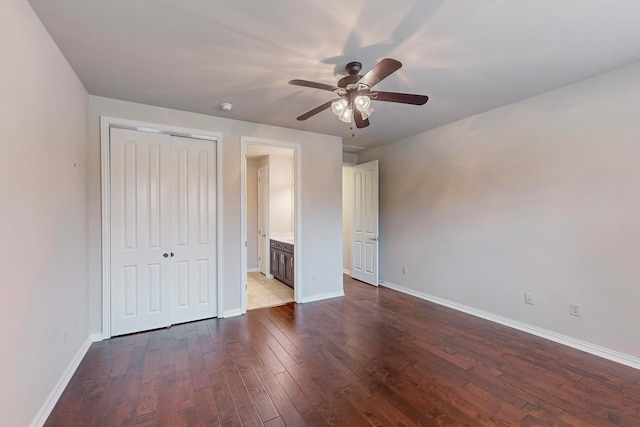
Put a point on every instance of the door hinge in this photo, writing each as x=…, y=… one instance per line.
x=245, y=243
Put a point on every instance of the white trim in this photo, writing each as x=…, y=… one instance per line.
x=265, y=208
x=105, y=176
x=253, y=270
x=243, y=227
x=346, y=271
x=320, y=297
x=52, y=399
x=105, y=124
x=96, y=337
x=297, y=149
x=233, y=313
x=219, y=225
x=596, y=350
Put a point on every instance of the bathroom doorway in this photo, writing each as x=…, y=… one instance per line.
x=269, y=219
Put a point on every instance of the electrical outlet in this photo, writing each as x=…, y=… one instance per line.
x=529, y=298
x=575, y=309
x=404, y=270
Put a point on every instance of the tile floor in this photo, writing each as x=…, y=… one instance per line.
x=264, y=292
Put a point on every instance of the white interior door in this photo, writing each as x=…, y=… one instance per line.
x=364, y=230
x=163, y=230
x=140, y=231
x=193, y=238
x=263, y=250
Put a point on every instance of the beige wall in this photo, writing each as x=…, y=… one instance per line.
x=281, y=198
x=252, y=214
x=321, y=198
x=540, y=196
x=44, y=321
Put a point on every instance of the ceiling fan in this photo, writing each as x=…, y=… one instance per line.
x=355, y=94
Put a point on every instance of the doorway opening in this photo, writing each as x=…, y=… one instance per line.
x=270, y=220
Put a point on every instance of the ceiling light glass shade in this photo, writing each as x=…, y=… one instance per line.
x=346, y=114
x=339, y=106
x=362, y=102
x=366, y=113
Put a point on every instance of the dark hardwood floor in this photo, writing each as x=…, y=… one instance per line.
x=375, y=357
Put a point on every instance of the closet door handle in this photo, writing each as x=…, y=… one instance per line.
x=165, y=255
x=172, y=255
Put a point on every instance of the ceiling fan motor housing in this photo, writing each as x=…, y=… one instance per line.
x=353, y=68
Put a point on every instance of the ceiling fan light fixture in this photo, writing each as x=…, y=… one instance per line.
x=366, y=113
x=346, y=115
x=362, y=102
x=339, y=106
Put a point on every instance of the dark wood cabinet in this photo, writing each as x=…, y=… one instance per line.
x=275, y=259
x=282, y=261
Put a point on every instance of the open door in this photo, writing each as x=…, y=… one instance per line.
x=364, y=231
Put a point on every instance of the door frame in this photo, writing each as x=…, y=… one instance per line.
x=265, y=208
x=297, y=227
x=106, y=123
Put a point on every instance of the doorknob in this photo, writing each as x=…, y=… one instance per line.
x=375, y=239
x=165, y=254
x=172, y=254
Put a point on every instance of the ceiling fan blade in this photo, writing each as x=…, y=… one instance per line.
x=360, y=122
x=314, y=85
x=403, y=98
x=316, y=110
x=380, y=71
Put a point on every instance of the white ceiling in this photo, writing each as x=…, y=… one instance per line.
x=468, y=56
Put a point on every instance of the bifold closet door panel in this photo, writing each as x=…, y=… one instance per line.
x=140, y=231
x=193, y=166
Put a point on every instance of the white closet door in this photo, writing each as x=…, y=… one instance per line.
x=140, y=231
x=193, y=166
x=163, y=230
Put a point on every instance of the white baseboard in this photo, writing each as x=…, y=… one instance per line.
x=346, y=271
x=320, y=297
x=253, y=270
x=52, y=399
x=232, y=313
x=97, y=337
x=596, y=350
